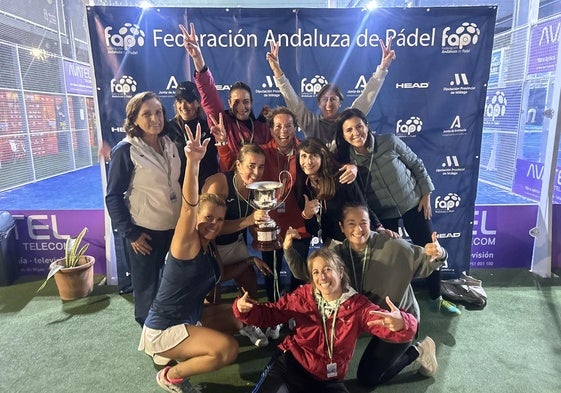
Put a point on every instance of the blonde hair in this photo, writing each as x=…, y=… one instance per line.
x=333, y=260
x=211, y=198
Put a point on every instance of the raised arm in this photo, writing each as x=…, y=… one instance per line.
x=185, y=243
x=210, y=99
x=305, y=118
x=368, y=96
x=295, y=262
x=273, y=59
x=226, y=156
x=192, y=46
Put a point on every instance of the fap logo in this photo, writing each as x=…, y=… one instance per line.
x=458, y=40
x=411, y=126
x=127, y=37
x=124, y=87
x=447, y=204
x=497, y=107
x=310, y=88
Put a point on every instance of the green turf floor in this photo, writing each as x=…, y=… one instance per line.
x=89, y=345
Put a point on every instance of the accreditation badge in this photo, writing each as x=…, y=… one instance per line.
x=331, y=370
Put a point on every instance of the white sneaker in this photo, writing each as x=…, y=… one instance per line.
x=160, y=360
x=255, y=335
x=273, y=333
x=427, y=357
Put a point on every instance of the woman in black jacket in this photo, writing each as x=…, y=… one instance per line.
x=321, y=196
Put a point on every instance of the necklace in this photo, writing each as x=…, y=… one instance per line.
x=252, y=131
x=238, y=196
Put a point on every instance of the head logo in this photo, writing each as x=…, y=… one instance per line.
x=448, y=203
x=412, y=125
x=125, y=86
x=128, y=36
x=311, y=88
x=497, y=106
x=465, y=35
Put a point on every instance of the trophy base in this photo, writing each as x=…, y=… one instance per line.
x=266, y=239
x=266, y=246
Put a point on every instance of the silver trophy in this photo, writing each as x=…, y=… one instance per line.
x=268, y=195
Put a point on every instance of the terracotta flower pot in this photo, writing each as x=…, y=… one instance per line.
x=75, y=282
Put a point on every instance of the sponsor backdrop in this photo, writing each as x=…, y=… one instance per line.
x=434, y=97
x=41, y=236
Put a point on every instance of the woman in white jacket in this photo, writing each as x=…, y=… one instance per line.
x=144, y=196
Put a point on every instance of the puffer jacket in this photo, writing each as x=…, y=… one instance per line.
x=397, y=177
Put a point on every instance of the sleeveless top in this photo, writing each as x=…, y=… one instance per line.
x=182, y=291
x=235, y=208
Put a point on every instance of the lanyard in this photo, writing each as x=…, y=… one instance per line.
x=364, y=259
x=328, y=341
x=322, y=206
x=252, y=132
x=286, y=164
x=166, y=166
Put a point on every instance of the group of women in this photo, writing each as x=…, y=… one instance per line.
x=154, y=198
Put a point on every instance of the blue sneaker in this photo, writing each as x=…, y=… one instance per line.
x=445, y=307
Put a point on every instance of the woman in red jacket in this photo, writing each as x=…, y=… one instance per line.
x=330, y=315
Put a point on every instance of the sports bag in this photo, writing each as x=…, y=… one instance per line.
x=464, y=290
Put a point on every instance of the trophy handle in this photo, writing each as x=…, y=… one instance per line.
x=240, y=195
x=283, y=181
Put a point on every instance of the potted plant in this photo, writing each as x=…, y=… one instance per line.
x=74, y=273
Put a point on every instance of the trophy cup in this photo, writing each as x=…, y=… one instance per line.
x=267, y=195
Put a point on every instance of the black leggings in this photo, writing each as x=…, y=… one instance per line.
x=283, y=374
x=382, y=360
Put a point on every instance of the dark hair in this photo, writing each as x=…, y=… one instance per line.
x=327, y=172
x=249, y=148
x=133, y=108
x=343, y=147
x=333, y=260
x=280, y=110
x=353, y=205
x=329, y=87
x=241, y=86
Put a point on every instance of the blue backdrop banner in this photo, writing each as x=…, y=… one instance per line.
x=433, y=97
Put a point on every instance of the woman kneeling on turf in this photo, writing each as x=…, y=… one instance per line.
x=178, y=325
x=329, y=316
